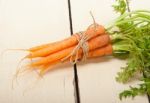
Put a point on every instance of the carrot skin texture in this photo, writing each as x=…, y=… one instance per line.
x=107, y=50
x=94, y=43
x=33, y=49
x=102, y=51
x=54, y=48
x=71, y=41
x=99, y=52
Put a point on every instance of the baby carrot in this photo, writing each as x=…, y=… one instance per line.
x=33, y=49
x=102, y=51
x=106, y=50
x=94, y=43
x=47, y=67
x=49, y=49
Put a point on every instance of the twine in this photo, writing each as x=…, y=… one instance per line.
x=82, y=38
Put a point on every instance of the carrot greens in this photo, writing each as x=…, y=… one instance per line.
x=132, y=42
x=120, y=6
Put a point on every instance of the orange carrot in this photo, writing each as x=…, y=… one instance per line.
x=33, y=49
x=94, y=43
x=47, y=49
x=47, y=67
x=106, y=50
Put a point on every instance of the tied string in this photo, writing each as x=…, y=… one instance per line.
x=82, y=38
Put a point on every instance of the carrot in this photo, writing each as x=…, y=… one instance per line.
x=107, y=50
x=47, y=67
x=102, y=51
x=94, y=43
x=33, y=49
x=47, y=49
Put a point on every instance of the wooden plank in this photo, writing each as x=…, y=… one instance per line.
x=97, y=77
x=26, y=23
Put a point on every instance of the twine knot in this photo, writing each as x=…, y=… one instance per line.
x=82, y=38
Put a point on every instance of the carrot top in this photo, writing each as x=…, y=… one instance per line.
x=131, y=40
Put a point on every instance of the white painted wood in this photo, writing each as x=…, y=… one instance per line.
x=27, y=23
x=97, y=77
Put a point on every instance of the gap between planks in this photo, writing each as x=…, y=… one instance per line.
x=75, y=80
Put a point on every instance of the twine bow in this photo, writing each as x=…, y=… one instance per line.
x=82, y=38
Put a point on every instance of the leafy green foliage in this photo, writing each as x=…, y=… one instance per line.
x=133, y=65
x=120, y=6
x=133, y=40
x=139, y=54
x=138, y=60
x=134, y=91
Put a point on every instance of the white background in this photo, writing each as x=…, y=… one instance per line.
x=27, y=23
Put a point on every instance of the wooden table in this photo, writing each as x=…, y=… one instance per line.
x=26, y=23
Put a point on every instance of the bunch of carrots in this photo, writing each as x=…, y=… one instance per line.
x=46, y=55
x=127, y=37
x=100, y=42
